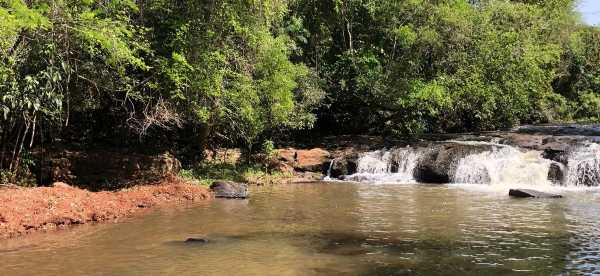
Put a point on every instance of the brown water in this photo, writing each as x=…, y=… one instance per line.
x=332, y=229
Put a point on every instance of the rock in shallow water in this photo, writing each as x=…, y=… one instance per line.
x=196, y=240
x=229, y=189
x=526, y=193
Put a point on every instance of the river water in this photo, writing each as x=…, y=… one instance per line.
x=333, y=229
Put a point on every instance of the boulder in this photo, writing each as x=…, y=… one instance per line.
x=438, y=162
x=345, y=165
x=526, y=193
x=229, y=189
x=556, y=155
x=305, y=160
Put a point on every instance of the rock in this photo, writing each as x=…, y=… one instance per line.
x=554, y=147
x=229, y=189
x=345, y=165
x=556, y=155
x=438, y=163
x=305, y=160
x=556, y=172
x=526, y=193
x=197, y=240
x=284, y=168
x=307, y=177
x=565, y=129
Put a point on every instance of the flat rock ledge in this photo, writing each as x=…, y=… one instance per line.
x=526, y=193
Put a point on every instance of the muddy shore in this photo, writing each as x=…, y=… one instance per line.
x=26, y=210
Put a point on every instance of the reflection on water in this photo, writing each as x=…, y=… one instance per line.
x=339, y=228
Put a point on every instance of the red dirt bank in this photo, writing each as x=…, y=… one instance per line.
x=24, y=210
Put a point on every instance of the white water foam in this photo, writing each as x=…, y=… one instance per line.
x=384, y=166
x=583, y=168
x=506, y=166
x=500, y=168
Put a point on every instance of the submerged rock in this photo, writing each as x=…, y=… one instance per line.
x=229, y=189
x=197, y=240
x=526, y=193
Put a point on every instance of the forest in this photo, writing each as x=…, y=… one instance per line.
x=184, y=76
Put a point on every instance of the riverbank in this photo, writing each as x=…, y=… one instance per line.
x=26, y=210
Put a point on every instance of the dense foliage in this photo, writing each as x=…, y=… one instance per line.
x=417, y=66
x=209, y=73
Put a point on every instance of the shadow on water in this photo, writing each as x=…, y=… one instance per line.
x=397, y=256
x=429, y=257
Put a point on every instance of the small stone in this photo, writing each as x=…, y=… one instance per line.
x=196, y=240
x=526, y=193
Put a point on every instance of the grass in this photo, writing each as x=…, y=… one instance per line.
x=211, y=171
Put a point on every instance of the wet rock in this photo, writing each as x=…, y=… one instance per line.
x=345, y=165
x=438, y=163
x=556, y=172
x=556, y=155
x=197, y=240
x=526, y=193
x=229, y=189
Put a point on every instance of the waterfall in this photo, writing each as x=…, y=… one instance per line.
x=328, y=176
x=583, y=168
x=503, y=166
x=375, y=162
x=395, y=165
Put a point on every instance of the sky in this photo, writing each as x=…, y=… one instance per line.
x=590, y=9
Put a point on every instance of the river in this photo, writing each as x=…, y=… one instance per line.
x=333, y=229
